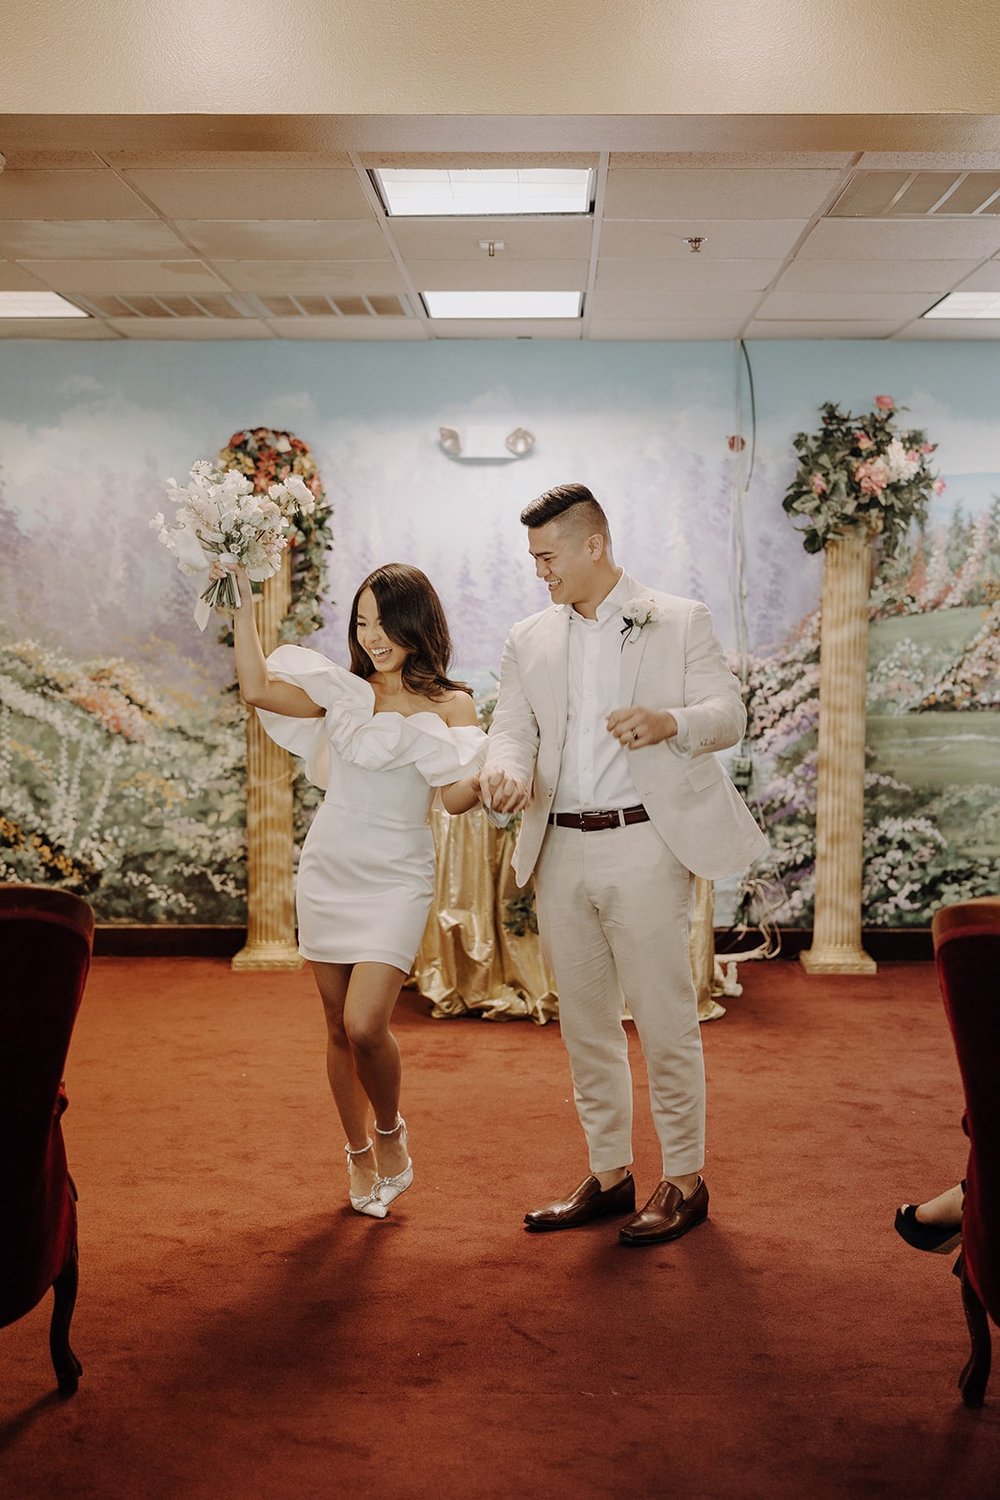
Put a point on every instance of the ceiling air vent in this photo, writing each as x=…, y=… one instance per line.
x=146, y=306
x=316, y=305
x=919, y=195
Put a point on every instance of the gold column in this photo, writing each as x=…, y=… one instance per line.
x=270, y=904
x=840, y=792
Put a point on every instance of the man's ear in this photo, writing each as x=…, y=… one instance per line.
x=595, y=546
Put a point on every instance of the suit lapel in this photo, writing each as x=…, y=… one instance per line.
x=557, y=661
x=631, y=659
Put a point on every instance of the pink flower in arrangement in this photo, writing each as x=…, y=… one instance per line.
x=818, y=484
x=862, y=440
x=871, y=476
x=939, y=486
x=913, y=455
x=885, y=403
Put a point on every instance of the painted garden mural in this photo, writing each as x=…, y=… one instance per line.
x=121, y=735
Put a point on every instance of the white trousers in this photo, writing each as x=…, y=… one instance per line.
x=614, y=920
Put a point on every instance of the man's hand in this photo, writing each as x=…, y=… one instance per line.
x=636, y=727
x=500, y=792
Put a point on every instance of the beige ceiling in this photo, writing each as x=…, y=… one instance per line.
x=162, y=231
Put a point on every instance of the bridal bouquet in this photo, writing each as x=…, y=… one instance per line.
x=219, y=514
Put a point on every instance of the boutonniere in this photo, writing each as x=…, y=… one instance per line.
x=636, y=615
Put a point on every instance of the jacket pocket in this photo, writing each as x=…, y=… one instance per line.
x=704, y=772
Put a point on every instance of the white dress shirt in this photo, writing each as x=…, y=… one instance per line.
x=594, y=774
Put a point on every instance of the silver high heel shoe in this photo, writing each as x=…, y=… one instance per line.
x=390, y=1187
x=371, y=1203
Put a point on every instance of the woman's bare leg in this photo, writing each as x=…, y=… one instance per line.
x=363, y=1062
x=371, y=996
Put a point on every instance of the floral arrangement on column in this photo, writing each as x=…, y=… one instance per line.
x=861, y=470
x=267, y=456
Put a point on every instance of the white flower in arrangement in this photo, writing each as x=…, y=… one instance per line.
x=902, y=463
x=219, y=514
x=636, y=615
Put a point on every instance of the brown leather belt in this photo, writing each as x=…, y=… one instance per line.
x=591, y=822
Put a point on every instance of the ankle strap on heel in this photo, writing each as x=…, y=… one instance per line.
x=399, y=1125
x=359, y=1151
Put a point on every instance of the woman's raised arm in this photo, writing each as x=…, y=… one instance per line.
x=257, y=687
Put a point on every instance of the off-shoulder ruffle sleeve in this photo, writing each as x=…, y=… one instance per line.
x=375, y=742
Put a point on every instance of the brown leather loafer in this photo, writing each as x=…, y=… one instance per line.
x=666, y=1216
x=584, y=1204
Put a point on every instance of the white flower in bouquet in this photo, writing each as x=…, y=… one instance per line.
x=219, y=514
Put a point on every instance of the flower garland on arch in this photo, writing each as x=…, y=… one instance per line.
x=861, y=471
x=268, y=456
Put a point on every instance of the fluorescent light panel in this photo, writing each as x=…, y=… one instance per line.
x=480, y=194
x=966, y=305
x=38, y=305
x=503, y=304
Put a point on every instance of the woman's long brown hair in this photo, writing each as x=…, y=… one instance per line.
x=411, y=616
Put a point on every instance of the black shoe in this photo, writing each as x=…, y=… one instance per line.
x=939, y=1239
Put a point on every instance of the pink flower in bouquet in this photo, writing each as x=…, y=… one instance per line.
x=818, y=484
x=927, y=447
x=862, y=440
x=939, y=486
x=871, y=476
x=885, y=403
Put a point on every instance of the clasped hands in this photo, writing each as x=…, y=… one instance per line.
x=634, y=728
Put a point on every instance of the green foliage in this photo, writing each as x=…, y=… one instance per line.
x=860, y=471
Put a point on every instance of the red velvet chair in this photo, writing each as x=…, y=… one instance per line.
x=967, y=950
x=46, y=938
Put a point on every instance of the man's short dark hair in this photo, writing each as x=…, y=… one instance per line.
x=575, y=503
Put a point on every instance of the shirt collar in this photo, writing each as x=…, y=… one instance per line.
x=609, y=605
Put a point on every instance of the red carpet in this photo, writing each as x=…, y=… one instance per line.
x=244, y=1334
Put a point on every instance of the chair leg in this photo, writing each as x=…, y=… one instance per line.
x=65, y=1363
x=974, y=1378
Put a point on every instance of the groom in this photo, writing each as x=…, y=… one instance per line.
x=610, y=705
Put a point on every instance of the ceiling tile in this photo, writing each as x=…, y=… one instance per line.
x=735, y=239
x=332, y=276
x=874, y=275
x=94, y=240
x=928, y=161
x=123, y=276
x=291, y=193
x=498, y=274
x=986, y=279
x=225, y=160
x=285, y=239
x=628, y=330
x=718, y=194
x=191, y=328
x=693, y=273
x=15, y=278
x=524, y=239
x=677, y=308
x=781, y=329
x=505, y=328
x=56, y=328
x=769, y=160
x=52, y=160
x=902, y=239
x=937, y=329
x=851, y=306
x=69, y=195
x=367, y=329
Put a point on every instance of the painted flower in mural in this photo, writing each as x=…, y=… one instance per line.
x=861, y=471
x=220, y=514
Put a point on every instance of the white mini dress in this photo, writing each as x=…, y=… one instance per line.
x=366, y=873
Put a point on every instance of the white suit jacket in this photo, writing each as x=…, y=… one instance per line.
x=673, y=662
